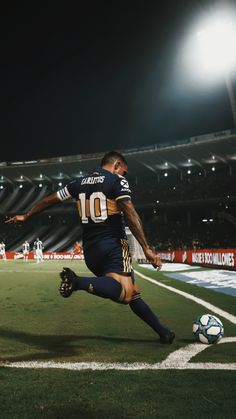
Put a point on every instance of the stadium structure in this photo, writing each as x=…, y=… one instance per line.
x=183, y=191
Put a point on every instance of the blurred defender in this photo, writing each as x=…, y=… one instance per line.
x=102, y=198
x=25, y=249
x=38, y=248
x=77, y=250
x=3, y=251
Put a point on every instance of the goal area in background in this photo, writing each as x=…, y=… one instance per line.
x=136, y=250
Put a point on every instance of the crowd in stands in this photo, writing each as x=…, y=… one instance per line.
x=167, y=225
x=179, y=236
x=172, y=188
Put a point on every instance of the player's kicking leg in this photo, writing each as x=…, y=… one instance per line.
x=103, y=286
x=107, y=287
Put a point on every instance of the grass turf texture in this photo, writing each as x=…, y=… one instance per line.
x=37, y=324
x=90, y=394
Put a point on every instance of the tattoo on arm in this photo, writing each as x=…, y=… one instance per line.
x=134, y=222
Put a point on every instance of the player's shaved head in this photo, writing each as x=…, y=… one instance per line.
x=112, y=157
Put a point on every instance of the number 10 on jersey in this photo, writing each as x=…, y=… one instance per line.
x=95, y=207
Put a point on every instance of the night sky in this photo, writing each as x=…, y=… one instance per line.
x=103, y=75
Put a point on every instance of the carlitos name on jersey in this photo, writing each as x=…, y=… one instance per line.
x=92, y=180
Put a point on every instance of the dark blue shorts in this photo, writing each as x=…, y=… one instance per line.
x=110, y=255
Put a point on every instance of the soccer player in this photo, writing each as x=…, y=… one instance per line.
x=76, y=250
x=103, y=198
x=38, y=248
x=3, y=251
x=26, y=249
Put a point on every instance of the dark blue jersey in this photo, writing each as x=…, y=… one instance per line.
x=97, y=196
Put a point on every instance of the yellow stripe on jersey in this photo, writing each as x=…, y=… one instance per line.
x=78, y=203
x=97, y=208
x=87, y=206
x=112, y=207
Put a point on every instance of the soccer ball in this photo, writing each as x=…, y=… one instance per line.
x=208, y=329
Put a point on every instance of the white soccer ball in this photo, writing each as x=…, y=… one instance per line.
x=208, y=329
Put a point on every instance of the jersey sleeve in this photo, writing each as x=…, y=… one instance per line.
x=69, y=191
x=121, y=189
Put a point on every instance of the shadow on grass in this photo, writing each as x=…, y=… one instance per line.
x=56, y=346
x=186, y=341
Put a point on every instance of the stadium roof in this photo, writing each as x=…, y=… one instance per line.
x=202, y=152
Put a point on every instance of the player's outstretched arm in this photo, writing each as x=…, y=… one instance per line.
x=136, y=227
x=44, y=203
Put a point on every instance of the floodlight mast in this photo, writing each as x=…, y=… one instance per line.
x=231, y=96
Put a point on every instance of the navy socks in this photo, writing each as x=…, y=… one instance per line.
x=107, y=287
x=103, y=286
x=142, y=310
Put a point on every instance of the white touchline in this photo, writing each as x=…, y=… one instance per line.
x=177, y=360
x=197, y=300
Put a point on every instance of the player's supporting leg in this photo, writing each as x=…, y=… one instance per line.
x=143, y=311
x=103, y=286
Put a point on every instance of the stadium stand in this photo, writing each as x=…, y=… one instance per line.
x=185, y=194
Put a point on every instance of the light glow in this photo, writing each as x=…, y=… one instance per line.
x=216, y=46
x=209, y=51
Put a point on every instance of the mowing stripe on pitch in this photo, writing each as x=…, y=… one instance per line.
x=197, y=300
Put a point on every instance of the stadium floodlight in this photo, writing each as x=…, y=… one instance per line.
x=217, y=52
x=216, y=46
x=211, y=53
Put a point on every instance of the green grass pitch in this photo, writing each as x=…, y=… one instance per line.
x=36, y=324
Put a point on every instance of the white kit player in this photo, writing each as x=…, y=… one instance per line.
x=38, y=248
x=26, y=249
x=3, y=251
